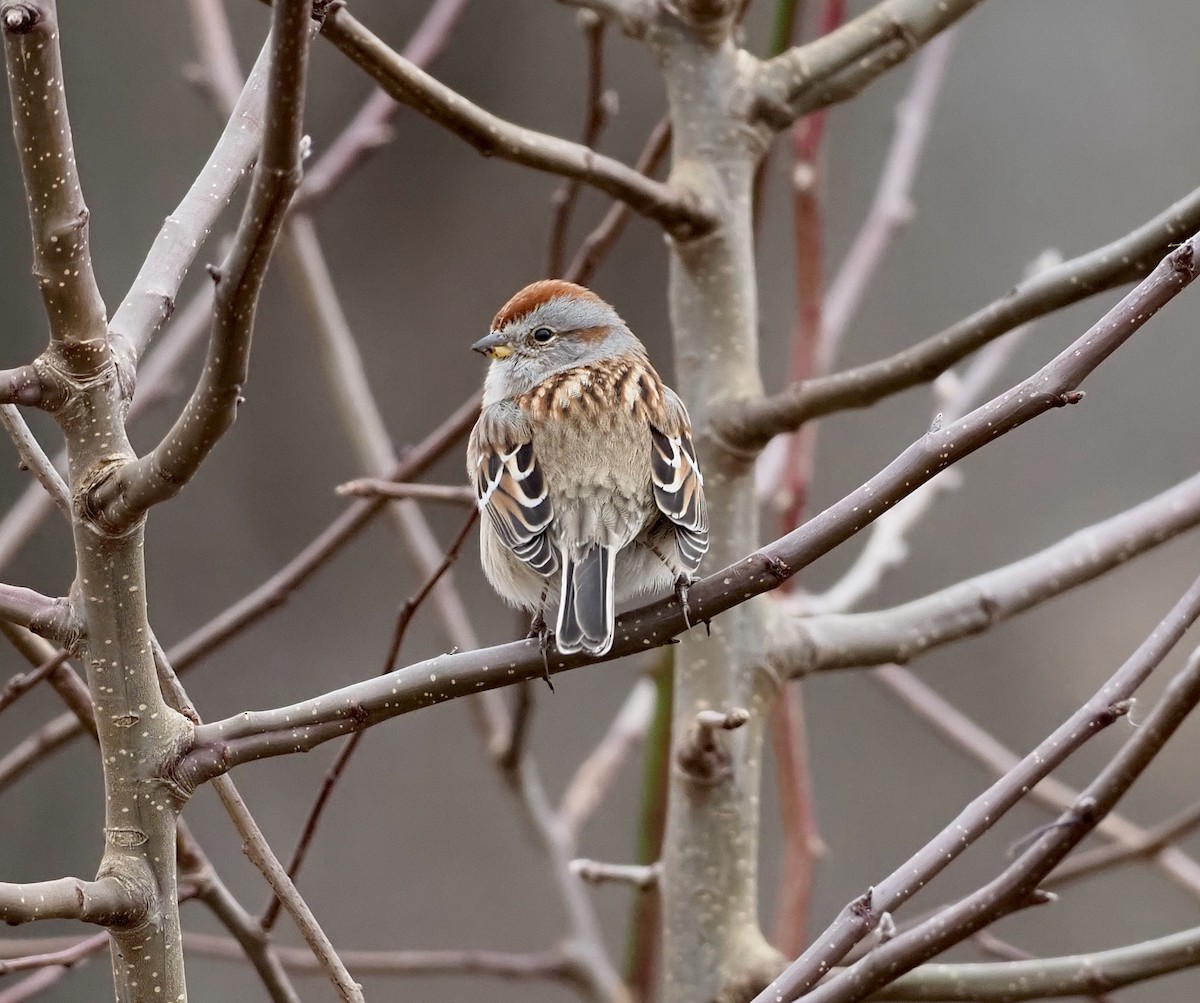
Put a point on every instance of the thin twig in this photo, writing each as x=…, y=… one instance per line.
x=597, y=104
x=271, y=912
x=600, y=241
x=34, y=458
x=1018, y=885
x=892, y=204
x=372, y=487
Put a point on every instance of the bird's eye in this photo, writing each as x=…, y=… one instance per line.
x=542, y=334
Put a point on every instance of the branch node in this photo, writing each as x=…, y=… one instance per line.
x=20, y=18
x=703, y=757
x=1070, y=397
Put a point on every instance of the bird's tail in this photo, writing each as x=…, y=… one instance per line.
x=585, y=608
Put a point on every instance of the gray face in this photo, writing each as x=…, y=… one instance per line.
x=559, y=334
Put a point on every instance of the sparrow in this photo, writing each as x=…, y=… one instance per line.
x=583, y=465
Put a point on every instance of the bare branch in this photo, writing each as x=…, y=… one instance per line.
x=851, y=640
x=501, y=964
x=891, y=207
x=369, y=129
x=269, y=596
x=678, y=210
x=65, y=957
x=253, y=735
x=34, y=458
x=160, y=474
x=105, y=901
x=748, y=425
x=1108, y=704
x=46, y=617
x=1130, y=840
x=597, y=773
x=244, y=928
x=335, y=771
x=839, y=65
x=600, y=241
x=151, y=299
x=643, y=877
x=1154, y=843
x=597, y=104
x=1017, y=886
x=259, y=851
x=1050, y=978
x=62, y=262
x=372, y=487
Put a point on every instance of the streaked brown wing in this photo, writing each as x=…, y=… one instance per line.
x=679, y=493
x=512, y=491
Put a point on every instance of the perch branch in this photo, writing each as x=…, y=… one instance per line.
x=253, y=735
x=105, y=901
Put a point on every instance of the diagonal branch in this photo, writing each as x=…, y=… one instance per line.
x=750, y=424
x=1108, y=704
x=854, y=640
x=124, y=497
x=151, y=299
x=677, y=209
x=62, y=262
x=837, y=66
x=254, y=735
x=1017, y=886
x=34, y=458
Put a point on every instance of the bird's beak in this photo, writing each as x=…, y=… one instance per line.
x=494, y=346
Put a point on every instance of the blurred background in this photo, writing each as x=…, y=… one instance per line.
x=1061, y=125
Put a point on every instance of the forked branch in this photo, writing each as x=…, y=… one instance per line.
x=213, y=406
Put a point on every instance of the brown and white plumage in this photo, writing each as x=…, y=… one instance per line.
x=583, y=463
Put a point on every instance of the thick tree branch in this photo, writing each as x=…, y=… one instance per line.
x=62, y=262
x=1108, y=704
x=839, y=65
x=676, y=209
x=125, y=496
x=50, y=618
x=105, y=901
x=750, y=424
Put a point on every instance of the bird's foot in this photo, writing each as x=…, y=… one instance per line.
x=682, y=584
x=538, y=629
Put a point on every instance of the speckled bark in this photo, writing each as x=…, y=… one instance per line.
x=713, y=946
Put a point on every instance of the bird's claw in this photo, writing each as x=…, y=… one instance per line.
x=538, y=629
x=682, y=584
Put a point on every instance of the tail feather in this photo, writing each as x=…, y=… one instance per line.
x=585, y=609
